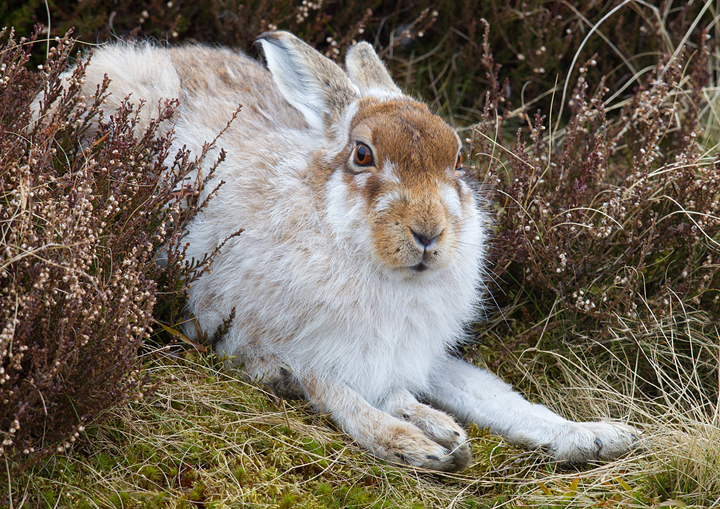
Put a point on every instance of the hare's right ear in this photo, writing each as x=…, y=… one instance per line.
x=309, y=81
x=367, y=71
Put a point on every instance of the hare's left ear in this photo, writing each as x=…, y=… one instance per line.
x=312, y=83
x=367, y=71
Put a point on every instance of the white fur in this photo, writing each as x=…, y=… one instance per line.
x=384, y=202
x=450, y=198
x=389, y=173
x=474, y=395
x=315, y=309
x=345, y=213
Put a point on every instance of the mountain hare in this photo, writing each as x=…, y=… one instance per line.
x=363, y=249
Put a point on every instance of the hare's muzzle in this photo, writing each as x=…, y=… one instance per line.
x=413, y=236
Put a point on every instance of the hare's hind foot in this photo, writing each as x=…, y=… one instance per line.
x=269, y=371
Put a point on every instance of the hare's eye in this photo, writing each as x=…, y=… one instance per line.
x=363, y=155
x=459, y=168
x=458, y=163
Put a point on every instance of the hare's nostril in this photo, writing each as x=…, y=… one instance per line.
x=423, y=240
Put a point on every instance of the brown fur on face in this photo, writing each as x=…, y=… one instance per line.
x=414, y=153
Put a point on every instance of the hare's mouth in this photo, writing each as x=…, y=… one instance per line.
x=420, y=267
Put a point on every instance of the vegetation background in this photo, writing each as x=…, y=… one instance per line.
x=591, y=127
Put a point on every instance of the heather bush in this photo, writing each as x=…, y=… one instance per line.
x=432, y=48
x=83, y=214
x=610, y=220
x=634, y=192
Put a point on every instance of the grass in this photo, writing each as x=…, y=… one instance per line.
x=204, y=438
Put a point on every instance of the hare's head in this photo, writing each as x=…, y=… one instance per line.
x=391, y=170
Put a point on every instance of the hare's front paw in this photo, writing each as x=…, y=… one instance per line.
x=441, y=428
x=405, y=443
x=581, y=442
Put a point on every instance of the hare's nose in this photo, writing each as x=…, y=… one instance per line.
x=423, y=240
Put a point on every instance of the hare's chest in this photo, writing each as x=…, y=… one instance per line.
x=397, y=337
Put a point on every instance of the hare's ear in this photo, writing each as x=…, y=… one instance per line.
x=367, y=71
x=312, y=83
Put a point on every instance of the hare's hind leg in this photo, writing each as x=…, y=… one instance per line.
x=386, y=436
x=474, y=395
x=270, y=372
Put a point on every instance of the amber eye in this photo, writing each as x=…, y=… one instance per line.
x=458, y=164
x=363, y=155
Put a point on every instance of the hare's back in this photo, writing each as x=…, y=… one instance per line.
x=209, y=82
x=215, y=81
